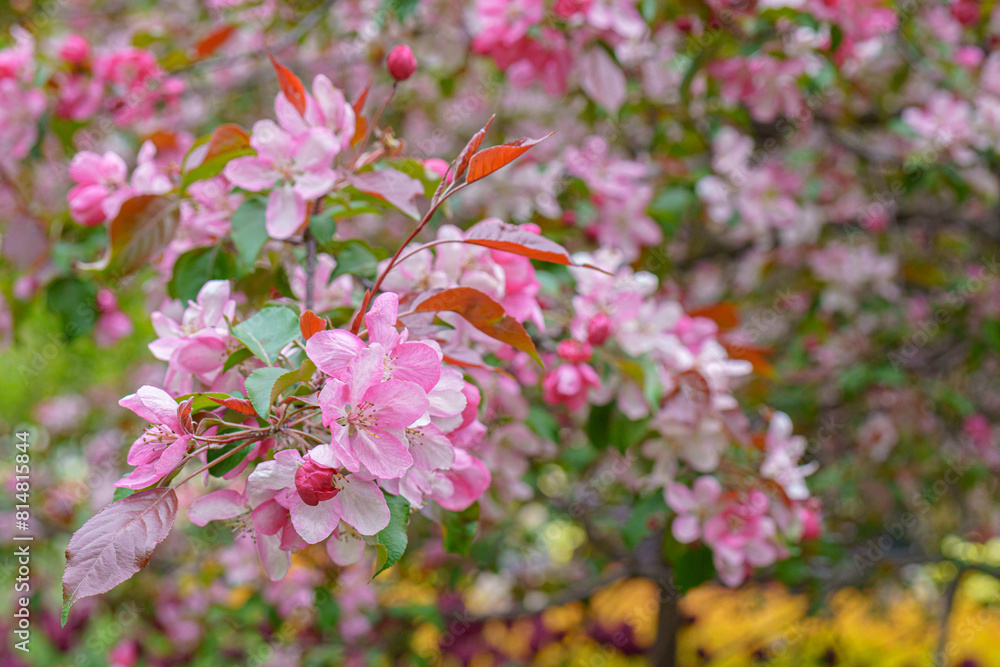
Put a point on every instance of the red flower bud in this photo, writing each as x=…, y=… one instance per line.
x=598, y=329
x=314, y=482
x=402, y=63
x=574, y=351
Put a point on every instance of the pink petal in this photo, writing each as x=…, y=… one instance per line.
x=685, y=528
x=381, y=320
x=217, y=506
x=172, y=456
x=430, y=449
x=155, y=406
x=363, y=506
x=316, y=149
x=345, y=548
x=314, y=523
x=269, y=517
x=271, y=142
x=469, y=478
x=332, y=351
x=286, y=212
x=420, y=364
x=275, y=561
x=277, y=474
x=397, y=403
x=382, y=453
x=251, y=173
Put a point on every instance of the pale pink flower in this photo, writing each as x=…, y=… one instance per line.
x=692, y=506
x=196, y=346
x=295, y=169
x=783, y=451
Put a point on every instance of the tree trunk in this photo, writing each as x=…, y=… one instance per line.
x=664, y=651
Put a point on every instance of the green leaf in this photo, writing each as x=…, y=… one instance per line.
x=248, y=231
x=265, y=384
x=237, y=357
x=323, y=227
x=203, y=401
x=392, y=539
x=637, y=526
x=693, y=568
x=267, y=332
x=195, y=268
x=259, y=386
x=75, y=302
x=227, y=465
x=458, y=529
x=122, y=493
x=353, y=257
x=400, y=9
x=213, y=166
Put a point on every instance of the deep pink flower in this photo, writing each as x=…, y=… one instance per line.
x=161, y=448
x=368, y=417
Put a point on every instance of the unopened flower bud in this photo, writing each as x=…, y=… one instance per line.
x=401, y=63
x=314, y=482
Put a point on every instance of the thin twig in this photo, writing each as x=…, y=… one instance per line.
x=949, y=604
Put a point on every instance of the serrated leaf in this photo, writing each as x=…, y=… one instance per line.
x=264, y=385
x=459, y=528
x=498, y=235
x=485, y=314
x=144, y=226
x=116, y=543
x=267, y=331
x=392, y=539
x=492, y=159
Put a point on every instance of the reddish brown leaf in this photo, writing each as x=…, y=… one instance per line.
x=499, y=235
x=359, y=104
x=145, y=224
x=310, y=323
x=211, y=43
x=291, y=86
x=723, y=314
x=470, y=149
x=488, y=160
x=485, y=314
x=240, y=405
x=116, y=543
x=755, y=355
x=226, y=138
x=164, y=140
